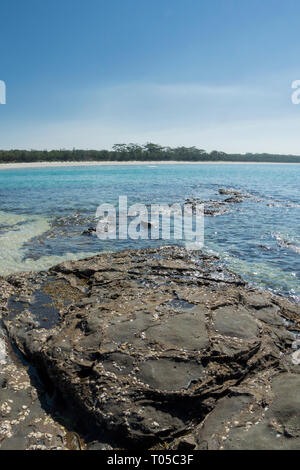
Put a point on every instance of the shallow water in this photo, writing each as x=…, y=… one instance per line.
x=45, y=210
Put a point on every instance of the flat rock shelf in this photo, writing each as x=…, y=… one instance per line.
x=161, y=347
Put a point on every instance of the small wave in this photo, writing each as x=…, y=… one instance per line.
x=285, y=241
x=289, y=246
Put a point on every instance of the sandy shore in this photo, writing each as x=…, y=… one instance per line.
x=11, y=166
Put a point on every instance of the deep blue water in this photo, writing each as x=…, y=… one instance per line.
x=44, y=211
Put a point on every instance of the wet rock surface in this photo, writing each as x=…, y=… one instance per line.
x=233, y=193
x=157, y=347
x=216, y=207
x=25, y=421
x=212, y=207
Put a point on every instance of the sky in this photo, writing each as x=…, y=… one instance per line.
x=88, y=74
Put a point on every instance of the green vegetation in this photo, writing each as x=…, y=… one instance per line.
x=135, y=152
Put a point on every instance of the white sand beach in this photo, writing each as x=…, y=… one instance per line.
x=11, y=166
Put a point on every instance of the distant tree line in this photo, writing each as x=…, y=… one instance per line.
x=139, y=153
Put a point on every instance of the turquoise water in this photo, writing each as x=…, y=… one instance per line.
x=44, y=211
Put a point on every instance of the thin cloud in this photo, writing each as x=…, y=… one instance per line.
x=235, y=118
x=271, y=136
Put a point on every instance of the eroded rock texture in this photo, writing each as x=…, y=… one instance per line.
x=162, y=346
x=25, y=420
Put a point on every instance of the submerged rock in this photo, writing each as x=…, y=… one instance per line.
x=212, y=207
x=146, y=344
x=233, y=192
x=90, y=232
x=234, y=200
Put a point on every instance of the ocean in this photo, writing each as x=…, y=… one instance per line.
x=44, y=211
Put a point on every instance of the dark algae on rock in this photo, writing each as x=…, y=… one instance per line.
x=161, y=347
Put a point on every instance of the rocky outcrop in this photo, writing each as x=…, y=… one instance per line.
x=162, y=347
x=234, y=193
x=216, y=207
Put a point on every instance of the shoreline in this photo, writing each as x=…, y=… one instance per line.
x=12, y=166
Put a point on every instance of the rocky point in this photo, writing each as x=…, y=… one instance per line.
x=161, y=347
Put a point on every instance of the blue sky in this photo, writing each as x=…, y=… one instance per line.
x=216, y=74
